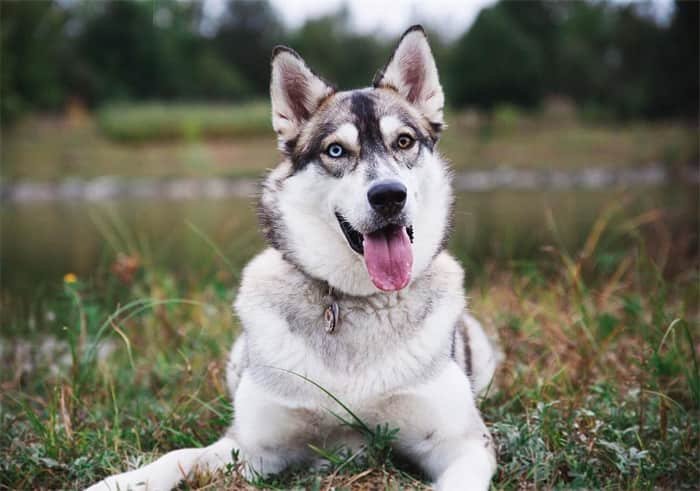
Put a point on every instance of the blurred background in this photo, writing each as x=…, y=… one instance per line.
x=132, y=137
x=142, y=124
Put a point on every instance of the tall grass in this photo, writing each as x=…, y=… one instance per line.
x=600, y=387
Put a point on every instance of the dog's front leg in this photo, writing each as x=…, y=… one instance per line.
x=442, y=431
x=166, y=472
x=462, y=463
x=273, y=432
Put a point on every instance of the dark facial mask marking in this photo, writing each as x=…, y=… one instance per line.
x=373, y=148
x=370, y=136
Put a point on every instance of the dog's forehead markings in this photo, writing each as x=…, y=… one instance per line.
x=362, y=106
x=347, y=132
x=390, y=124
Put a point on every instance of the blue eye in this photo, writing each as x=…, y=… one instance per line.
x=335, y=150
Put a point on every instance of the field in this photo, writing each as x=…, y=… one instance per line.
x=599, y=388
x=116, y=320
x=163, y=141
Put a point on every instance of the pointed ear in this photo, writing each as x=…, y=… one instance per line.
x=296, y=92
x=411, y=71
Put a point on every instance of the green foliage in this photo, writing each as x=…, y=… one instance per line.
x=344, y=58
x=33, y=53
x=613, y=59
x=602, y=444
x=146, y=50
x=495, y=62
x=244, y=38
x=675, y=80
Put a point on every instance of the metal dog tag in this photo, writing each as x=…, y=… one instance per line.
x=331, y=315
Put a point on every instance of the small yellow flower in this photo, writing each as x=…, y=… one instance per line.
x=70, y=278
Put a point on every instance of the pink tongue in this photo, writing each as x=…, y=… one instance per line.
x=389, y=258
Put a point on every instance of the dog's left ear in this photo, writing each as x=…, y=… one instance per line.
x=411, y=71
x=295, y=91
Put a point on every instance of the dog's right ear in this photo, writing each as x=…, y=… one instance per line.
x=296, y=92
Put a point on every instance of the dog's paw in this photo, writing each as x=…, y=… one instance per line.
x=463, y=478
x=462, y=481
x=132, y=481
x=119, y=483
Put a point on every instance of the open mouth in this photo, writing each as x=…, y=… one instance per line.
x=354, y=238
x=388, y=253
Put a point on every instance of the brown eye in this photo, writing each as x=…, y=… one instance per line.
x=404, y=142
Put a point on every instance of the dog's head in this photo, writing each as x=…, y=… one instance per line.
x=362, y=199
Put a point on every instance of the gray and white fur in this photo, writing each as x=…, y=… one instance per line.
x=403, y=354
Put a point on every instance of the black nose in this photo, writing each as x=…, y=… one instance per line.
x=387, y=198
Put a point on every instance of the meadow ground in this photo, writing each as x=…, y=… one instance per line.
x=123, y=361
x=599, y=387
x=163, y=141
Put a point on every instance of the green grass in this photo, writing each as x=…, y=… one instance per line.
x=600, y=387
x=157, y=121
x=543, y=142
x=156, y=140
x=55, y=149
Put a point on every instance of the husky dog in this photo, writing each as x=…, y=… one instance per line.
x=356, y=292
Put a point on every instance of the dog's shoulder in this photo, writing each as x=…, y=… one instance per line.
x=267, y=267
x=268, y=283
x=266, y=276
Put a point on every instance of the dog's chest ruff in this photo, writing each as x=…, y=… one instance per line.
x=363, y=346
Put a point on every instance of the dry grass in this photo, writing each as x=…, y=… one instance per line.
x=599, y=388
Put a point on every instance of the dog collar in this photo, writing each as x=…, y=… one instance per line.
x=332, y=312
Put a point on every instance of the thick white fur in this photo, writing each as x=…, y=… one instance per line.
x=309, y=199
x=391, y=358
x=409, y=381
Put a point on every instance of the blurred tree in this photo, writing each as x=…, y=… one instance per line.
x=612, y=59
x=585, y=51
x=607, y=56
x=676, y=78
x=537, y=19
x=495, y=61
x=246, y=34
x=34, y=52
x=151, y=50
x=346, y=59
x=120, y=46
x=638, y=40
